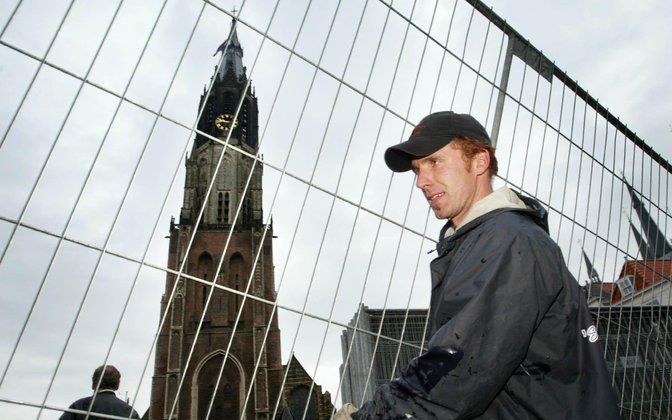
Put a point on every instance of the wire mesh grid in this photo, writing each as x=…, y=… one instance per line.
x=309, y=287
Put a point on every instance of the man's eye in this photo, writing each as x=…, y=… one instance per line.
x=434, y=162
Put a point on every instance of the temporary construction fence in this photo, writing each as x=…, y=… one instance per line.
x=306, y=289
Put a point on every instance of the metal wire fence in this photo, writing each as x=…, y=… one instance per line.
x=308, y=288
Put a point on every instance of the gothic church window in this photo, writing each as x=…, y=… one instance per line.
x=224, y=398
x=226, y=207
x=220, y=207
x=204, y=264
x=229, y=102
x=204, y=272
x=297, y=403
x=246, y=210
x=238, y=275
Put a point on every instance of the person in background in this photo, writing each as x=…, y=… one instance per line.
x=104, y=401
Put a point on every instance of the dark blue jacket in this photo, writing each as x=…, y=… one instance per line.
x=511, y=333
x=105, y=403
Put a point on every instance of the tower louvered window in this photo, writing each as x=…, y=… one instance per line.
x=220, y=207
x=226, y=207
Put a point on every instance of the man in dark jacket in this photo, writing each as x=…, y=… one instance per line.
x=104, y=401
x=511, y=335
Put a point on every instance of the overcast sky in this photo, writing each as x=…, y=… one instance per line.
x=617, y=51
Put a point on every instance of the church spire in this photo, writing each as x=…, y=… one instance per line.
x=658, y=246
x=644, y=249
x=592, y=273
x=229, y=114
x=230, y=107
x=232, y=60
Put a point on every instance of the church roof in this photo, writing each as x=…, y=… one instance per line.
x=647, y=273
x=298, y=371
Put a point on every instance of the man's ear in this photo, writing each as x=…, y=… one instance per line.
x=480, y=164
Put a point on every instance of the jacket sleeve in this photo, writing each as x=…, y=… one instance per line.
x=511, y=284
x=67, y=415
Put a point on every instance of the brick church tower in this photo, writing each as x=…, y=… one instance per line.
x=217, y=228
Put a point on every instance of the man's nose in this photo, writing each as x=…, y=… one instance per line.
x=422, y=179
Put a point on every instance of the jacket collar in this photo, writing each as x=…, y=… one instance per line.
x=499, y=201
x=501, y=198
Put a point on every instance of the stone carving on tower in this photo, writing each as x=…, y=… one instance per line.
x=225, y=117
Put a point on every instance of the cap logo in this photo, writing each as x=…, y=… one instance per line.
x=417, y=130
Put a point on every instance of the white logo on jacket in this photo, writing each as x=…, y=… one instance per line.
x=591, y=334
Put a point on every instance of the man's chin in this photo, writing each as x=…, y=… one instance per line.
x=439, y=214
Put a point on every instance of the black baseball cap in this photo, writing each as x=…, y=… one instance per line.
x=431, y=134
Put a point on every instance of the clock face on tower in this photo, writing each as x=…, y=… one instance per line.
x=224, y=121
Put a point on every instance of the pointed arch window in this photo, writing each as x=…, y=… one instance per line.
x=222, y=398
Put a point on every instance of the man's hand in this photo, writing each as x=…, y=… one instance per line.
x=345, y=411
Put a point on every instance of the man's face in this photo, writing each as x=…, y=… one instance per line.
x=448, y=182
